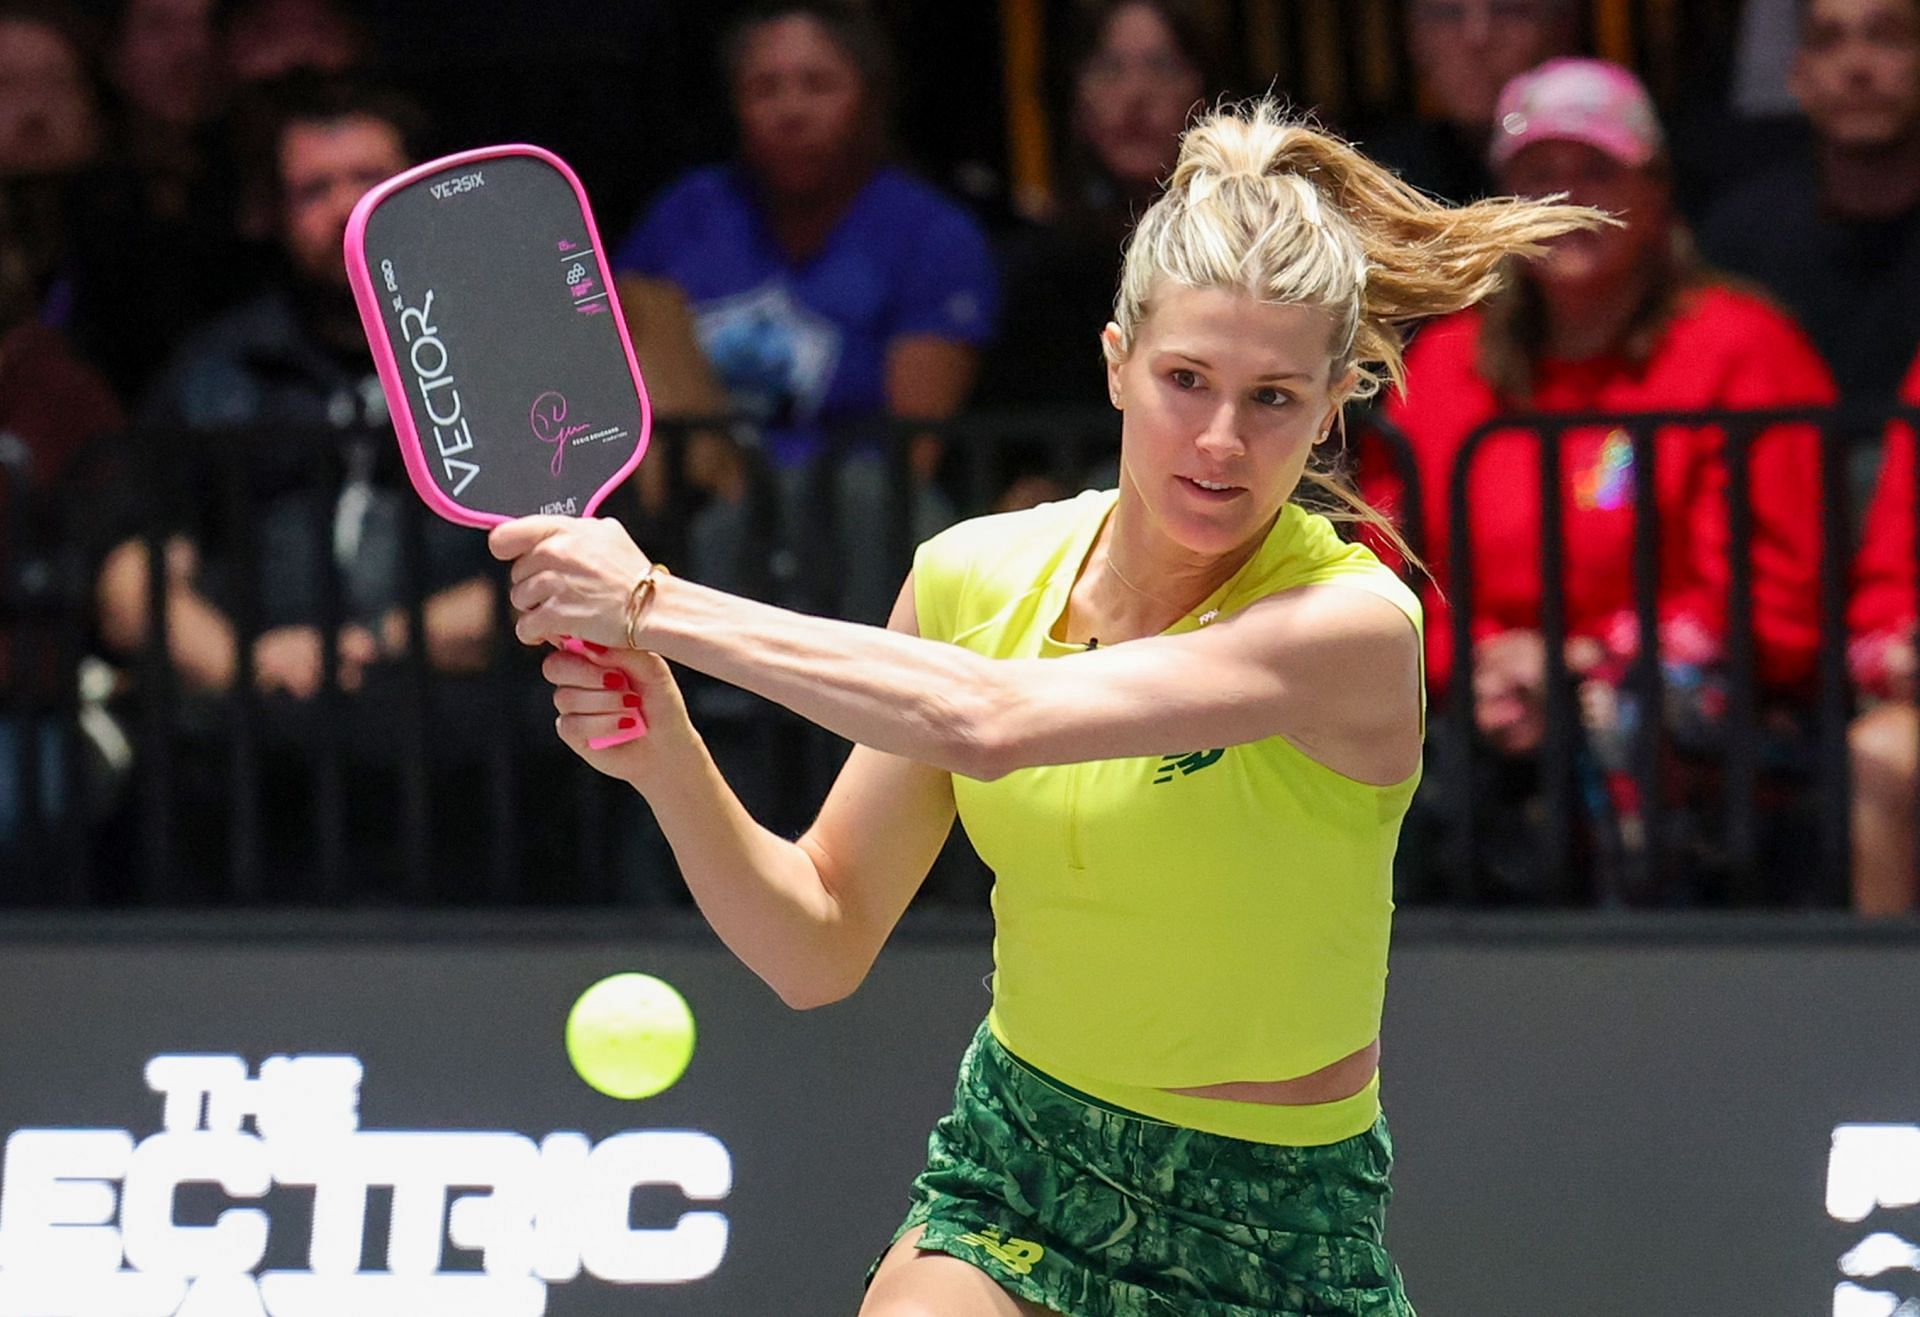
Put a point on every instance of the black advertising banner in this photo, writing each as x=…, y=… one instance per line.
x=218, y=1126
x=221, y=1130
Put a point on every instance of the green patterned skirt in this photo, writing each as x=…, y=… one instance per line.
x=1091, y=1211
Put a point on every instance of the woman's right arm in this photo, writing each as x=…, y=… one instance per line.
x=807, y=916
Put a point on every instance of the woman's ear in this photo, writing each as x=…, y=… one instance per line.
x=1345, y=386
x=1342, y=389
x=1115, y=352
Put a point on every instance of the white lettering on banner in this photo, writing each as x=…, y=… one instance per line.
x=1872, y=1167
x=1852, y=1301
x=88, y=1225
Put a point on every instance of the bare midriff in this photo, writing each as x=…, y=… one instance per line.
x=1330, y=1083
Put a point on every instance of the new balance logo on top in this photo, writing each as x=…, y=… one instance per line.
x=1186, y=765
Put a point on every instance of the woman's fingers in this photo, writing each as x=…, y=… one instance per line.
x=537, y=628
x=635, y=669
x=529, y=594
x=563, y=668
x=573, y=700
x=515, y=539
x=581, y=731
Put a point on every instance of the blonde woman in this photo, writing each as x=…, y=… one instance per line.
x=1181, y=721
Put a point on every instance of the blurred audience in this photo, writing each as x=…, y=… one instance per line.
x=1884, y=739
x=265, y=40
x=829, y=288
x=265, y=44
x=332, y=502
x=1463, y=52
x=295, y=357
x=51, y=130
x=1618, y=320
x=175, y=179
x=150, y=248
x=49, y=107
x=1834, y=230
x=51, y=403
x=165, y=64
x=1140, y=68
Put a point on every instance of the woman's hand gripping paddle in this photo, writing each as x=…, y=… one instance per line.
x=485, y=294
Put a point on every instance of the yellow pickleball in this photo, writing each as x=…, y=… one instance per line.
x=630, y=1036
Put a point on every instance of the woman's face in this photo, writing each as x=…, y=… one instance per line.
x=1603, y=260
x=1134, y=93
x=166, y=62
x=801, y=105
x=48, y=120
x=1222, y=399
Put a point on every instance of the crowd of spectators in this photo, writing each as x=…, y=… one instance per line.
x=185, y=392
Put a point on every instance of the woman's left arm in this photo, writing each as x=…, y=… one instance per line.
x=1333, y=668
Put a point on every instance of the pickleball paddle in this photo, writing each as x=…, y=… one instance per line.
x=485, y=294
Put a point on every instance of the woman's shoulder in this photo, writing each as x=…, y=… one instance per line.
x=1446, y=337
x=1004, y=539
x=699, y=193
x=1742, y=329
x=1446, y=348
x=1730, y=302
x=915, y=211
x=904, y=189
x=973, y=570
x=1728, y=307
x=1305, y=548
x=1444, y=395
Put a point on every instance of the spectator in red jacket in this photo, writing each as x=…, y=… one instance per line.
x=1885, y=739
x=1617, y=321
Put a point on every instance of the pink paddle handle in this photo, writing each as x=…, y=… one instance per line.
x=634, y=733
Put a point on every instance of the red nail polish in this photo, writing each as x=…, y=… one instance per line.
x=613, y=681
x=631, y=701
x=626, y=724
x=598, y=649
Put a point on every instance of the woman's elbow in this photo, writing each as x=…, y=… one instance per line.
x=810, y=993
x=810, y=997
x=979, y=737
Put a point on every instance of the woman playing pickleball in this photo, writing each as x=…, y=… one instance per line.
x=1181, y=721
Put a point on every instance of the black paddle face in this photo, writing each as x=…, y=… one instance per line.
x=485, y=296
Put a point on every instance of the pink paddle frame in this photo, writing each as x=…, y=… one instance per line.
x=393, y=384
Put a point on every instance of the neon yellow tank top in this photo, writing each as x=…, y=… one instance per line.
x=1216, y=914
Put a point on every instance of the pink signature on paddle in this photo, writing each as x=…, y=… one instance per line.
x=549, y=420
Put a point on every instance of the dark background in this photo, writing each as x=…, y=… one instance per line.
x=1592, y=1117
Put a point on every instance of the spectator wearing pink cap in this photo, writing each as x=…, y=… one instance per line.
x=1463, y=52
x=1622, y=320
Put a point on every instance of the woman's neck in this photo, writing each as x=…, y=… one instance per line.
x=1589, y=323
x=1873, y=184
x=801, y=222
x=1137, y=583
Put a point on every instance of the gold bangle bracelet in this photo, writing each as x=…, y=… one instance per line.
x=639, y=597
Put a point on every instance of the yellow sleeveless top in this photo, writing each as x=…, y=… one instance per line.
x=1213, y=914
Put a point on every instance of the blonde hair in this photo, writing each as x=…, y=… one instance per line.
x=1264, y=202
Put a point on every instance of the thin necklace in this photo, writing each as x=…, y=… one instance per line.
x=1143, y=594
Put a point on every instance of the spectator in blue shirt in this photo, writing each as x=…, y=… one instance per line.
x=828, y=287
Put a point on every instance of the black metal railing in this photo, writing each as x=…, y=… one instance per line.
x=1821, y=780
x=418, y=782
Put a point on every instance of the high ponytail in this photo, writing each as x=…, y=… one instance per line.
x=1267, y=204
